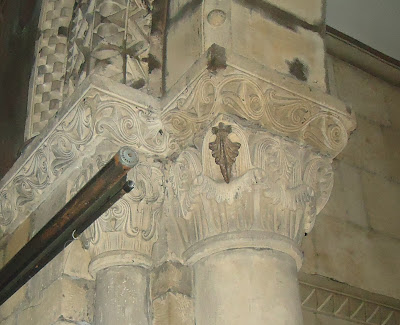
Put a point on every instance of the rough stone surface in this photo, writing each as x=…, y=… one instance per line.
x=121, y=296
x=173, y=308
x=382, y=204
x=69, y=300
x=232, y=288
x=370, y=259
x=273, y=45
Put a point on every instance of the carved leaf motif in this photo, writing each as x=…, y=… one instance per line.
x=224, y=150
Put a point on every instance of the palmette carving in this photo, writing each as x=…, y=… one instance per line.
x=224, y=150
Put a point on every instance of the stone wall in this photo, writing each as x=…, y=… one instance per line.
x=356, y=239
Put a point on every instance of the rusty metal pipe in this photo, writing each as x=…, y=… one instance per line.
x=99, y=194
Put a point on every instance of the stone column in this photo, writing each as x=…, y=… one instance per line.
x=120, y=243
x=248, y=191
x=256, y=134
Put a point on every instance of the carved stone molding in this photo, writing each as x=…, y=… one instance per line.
x=350, y=308
x=277, y=188
x=46, y=92
x=261, y=103
x=276, y=181
x=110, y=38
x=97, y=116
x=125, y=233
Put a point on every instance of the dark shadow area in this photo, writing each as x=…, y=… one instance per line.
x=19, y=21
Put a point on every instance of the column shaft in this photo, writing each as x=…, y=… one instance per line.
x=122, y=296
x=247, y=286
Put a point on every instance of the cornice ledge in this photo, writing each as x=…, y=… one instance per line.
x=339, y=300
x=99, y=110
x=270, y=100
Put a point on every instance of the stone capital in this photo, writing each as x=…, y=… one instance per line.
x=254, y=165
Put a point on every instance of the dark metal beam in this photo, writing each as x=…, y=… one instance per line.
x=100, y=193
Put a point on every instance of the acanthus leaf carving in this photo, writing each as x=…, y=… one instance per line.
x=279, y=191
x=131, y=223
x=224, y=150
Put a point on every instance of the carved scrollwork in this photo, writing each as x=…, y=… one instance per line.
x=6, y=215
x=34, y=178
x=139, y=128
x=75, y=131
x=98, y=117
x=262, y=103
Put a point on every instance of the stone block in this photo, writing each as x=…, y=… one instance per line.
x=17, y=239
x=72, y=261
x=12, y=320
x=373, y=148
x=184, y=45
x=171, y=277
x=173, y=309
x=66, y=299
x=391, y=140
x=298, y=52
x=382, y=203
x=13, y=303
x=392, y=99
x=307, y=10
x=346, y=201
x=350, y=254
x=367, y=95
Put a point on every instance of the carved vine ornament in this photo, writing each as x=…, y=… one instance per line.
x=230, y=174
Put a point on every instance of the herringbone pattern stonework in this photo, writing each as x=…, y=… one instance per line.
x=50, y=64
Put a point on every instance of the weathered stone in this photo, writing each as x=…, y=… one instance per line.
x=347, y=199
x=173, y=308
x=382, y=203
x=273, y=45
x=308, y=10
x=232, y=287
x=171, y=277
x=368, y=96
x=121, y=296
x=69, y=300
x=17, y=239
x=15, y=302
x=350, y=254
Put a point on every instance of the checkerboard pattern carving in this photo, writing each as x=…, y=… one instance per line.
x=49, y=70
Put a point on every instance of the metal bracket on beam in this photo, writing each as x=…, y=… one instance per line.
x=99, y=194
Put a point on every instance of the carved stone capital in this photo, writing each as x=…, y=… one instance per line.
x=276, y=188
x=125, y=233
